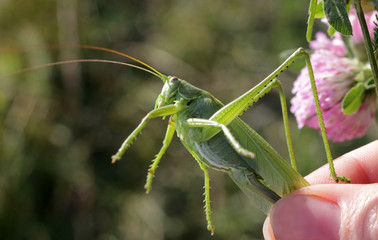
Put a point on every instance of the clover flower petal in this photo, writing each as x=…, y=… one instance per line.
x=357, y=31
x=334, y=76
x=335, y=45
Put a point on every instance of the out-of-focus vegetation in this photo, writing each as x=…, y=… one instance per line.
x=60, y=125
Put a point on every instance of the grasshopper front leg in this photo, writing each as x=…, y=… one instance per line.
x=159, y=112
x=166, y=142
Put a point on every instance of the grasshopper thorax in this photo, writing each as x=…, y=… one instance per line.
x=169, y=92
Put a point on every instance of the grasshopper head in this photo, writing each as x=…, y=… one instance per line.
x=168, y=93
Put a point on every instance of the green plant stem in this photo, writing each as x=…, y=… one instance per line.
x=368, y=44
x=311, y=18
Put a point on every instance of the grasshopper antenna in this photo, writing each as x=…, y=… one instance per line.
x=81, y=61
x=151, y=69
x=162, y=76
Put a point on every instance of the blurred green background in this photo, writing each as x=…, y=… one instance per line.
x=60, y=125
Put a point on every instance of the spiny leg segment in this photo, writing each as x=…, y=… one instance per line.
x=159, y=112
x=210, y=225
x=166, y=142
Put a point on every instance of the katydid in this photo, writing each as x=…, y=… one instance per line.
x=217, y=138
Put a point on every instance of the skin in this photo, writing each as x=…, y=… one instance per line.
x=327, y=210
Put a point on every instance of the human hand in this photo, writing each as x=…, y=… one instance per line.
x=327, y=210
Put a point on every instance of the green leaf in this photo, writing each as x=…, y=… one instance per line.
x=320, y=10
x=337, y=16
x=375, y=39
x=353, y=99
x=331, y=31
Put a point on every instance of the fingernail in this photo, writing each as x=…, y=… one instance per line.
x=305, y=217
x=267, y=230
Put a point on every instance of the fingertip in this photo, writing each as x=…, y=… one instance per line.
x=304, y=217
x=326, y=211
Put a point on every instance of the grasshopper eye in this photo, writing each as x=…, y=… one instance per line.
x=173, y=79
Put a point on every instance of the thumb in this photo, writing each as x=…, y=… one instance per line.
x=326, y=211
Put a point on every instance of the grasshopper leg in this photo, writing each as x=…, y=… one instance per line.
x=210, y=225
x=166, y=142
x=159, y=112
x=285, y=118
x=198, y=122
x=321, y=120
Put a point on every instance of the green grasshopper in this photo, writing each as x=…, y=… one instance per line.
x=217, y=138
